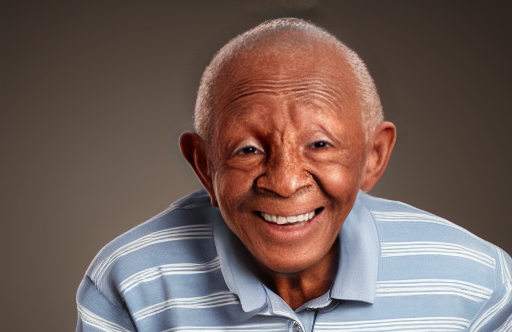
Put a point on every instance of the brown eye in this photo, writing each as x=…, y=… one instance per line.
x=320, y=144
x=248, y=150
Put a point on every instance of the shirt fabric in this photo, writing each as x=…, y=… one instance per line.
x=400, y=269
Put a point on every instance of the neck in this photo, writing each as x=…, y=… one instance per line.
x=300, y=287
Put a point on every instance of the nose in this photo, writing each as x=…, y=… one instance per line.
x=285, y=173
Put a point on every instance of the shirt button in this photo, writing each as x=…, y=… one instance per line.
x=296, y=327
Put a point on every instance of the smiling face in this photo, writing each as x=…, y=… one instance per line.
x=288, y=152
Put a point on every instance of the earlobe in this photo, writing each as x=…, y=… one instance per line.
x=380, y=147
x=194, y=151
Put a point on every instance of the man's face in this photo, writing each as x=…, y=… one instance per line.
x=288, y=153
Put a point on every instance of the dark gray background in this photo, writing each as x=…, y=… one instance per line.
x=94, y=95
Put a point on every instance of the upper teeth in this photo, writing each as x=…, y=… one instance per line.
x=287, y=220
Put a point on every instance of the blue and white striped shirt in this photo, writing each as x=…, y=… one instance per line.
x=400, y=269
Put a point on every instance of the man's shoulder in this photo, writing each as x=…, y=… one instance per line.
x=183, y=232
x=436, y=266
x=401, y=222
x=418, y=245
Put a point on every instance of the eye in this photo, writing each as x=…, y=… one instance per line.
x=319, y=144
x=248, y=150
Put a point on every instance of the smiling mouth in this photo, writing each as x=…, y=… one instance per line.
x=285, y=220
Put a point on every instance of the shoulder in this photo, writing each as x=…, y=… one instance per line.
x=400, y=222
x=181, y=233
x=446, y=268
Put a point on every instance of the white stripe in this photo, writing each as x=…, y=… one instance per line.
x=496, y=309
x=200, y=302
x=166, y=235
x=272, y=327
x=393, y=249
x=432, y=287
x=409, y=216
x=416, y=217
x=94, y=320
x=405, y=324
x=168, y=269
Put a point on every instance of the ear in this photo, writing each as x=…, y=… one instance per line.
x=380, y=146
x=194, y=151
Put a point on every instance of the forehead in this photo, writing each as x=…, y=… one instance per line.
x=295, y=64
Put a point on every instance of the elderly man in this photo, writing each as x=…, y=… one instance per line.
x=290, y=134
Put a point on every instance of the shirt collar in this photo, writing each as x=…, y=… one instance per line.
x=357, y=269
x=235, y=269
x=359, y=256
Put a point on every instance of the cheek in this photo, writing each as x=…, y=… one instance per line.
x=231, y=188
x=233, y=191
x=340, y=179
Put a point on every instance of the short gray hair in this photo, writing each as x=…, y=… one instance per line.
x=371, y=113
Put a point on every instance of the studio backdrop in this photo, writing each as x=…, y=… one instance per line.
x=94, y=95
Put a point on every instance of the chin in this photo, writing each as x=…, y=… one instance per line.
x=288, y=266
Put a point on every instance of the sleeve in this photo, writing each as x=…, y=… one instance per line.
x=496, y=314
x=96, y=313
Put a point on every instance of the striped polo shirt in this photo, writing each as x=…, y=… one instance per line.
x=400, y=269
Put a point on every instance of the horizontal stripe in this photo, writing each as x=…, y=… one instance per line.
x=432, y=287
x=200, y=302
x=424, y=324
x=395, y=249
x=409, y=216
x=416, y=217
x=269, y=327
x=168, y=269
x=166, y=235
x=96, y=321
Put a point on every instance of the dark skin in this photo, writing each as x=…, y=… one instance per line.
x=289, y=143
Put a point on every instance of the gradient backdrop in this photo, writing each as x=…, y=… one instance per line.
x=94, y=95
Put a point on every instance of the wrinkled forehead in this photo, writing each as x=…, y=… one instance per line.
x=285, y=62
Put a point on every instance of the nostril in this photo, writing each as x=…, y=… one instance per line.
x=283, y=181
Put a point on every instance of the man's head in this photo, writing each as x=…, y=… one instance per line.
x=204, y=114
x=289, y=131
